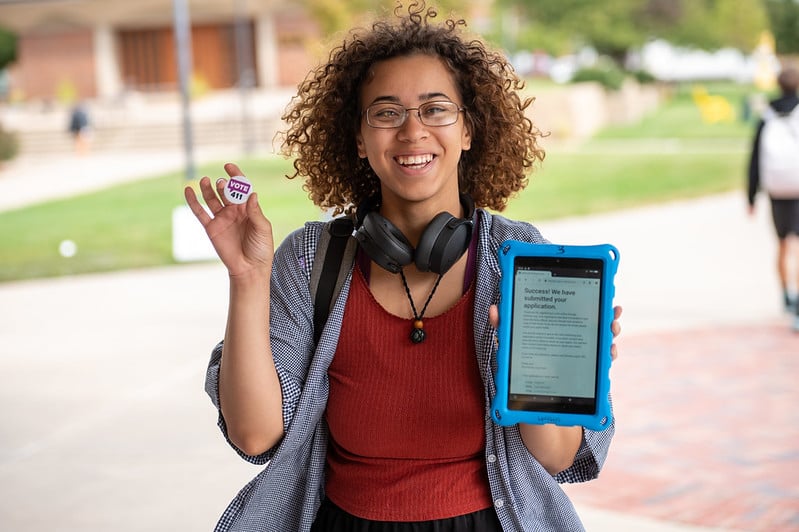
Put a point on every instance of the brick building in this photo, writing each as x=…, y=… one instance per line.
x=100, y=49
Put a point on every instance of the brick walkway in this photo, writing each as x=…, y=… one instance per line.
x=708, y=429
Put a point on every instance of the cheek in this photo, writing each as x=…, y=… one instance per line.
x=373, y=142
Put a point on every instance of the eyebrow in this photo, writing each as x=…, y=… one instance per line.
x=427, y=96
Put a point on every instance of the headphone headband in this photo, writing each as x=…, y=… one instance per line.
x=445, y=239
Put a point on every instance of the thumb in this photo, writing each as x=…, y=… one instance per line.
x=256, y=214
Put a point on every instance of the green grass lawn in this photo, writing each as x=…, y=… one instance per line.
x=584, y=183
x=129, y=226
x=680, y=117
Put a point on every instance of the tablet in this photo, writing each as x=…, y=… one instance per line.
x=553, y=358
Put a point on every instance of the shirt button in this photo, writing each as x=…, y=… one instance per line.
x=492, y=458
x=499, y=503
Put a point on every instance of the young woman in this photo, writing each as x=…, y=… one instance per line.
x=384, y=423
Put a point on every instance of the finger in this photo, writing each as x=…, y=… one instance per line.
x=615, y=328
x=617, y=312
x=195, y=206
x=220, y=190
x=493, y=316
x=255, y=213
x=211, y=198
x=614, y=352
x=233, y=170
x=493, y=320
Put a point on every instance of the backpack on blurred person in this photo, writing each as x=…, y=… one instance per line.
x=779, y=153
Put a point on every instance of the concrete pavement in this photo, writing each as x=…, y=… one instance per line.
x=30, y=179
x=106, y=425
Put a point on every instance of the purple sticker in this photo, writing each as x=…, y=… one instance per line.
x=237, y=189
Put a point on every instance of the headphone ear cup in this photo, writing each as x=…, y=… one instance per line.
x=384, y=243
x=443, y=242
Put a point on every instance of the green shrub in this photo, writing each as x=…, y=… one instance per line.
x=9, y=145
x=609, y=76
x=643, y=76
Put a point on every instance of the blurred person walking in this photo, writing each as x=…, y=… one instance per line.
x=774, y=168
x=80, y=128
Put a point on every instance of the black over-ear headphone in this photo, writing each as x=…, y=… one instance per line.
x=444, y=240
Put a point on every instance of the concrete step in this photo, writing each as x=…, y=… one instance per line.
x=145, y=137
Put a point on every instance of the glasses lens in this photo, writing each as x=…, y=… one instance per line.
x=438, y=113
x=391, y=115
x=385, y=115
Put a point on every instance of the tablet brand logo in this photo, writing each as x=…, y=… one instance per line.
x=561, y=249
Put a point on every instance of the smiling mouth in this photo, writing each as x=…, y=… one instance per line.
x=414, y=161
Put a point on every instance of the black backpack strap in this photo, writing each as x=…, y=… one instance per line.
x=334, y=255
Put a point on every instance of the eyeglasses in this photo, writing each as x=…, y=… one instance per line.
x=392, y=115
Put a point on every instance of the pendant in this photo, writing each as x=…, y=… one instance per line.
x=417, y=334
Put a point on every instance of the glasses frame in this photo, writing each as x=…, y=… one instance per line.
x=406, y=112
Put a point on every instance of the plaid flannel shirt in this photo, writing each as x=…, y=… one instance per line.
x=287, y=493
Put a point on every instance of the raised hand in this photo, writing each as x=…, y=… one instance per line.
x=240, y=233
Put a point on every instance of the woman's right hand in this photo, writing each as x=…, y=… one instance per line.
x=240, y=233
x=250, y=396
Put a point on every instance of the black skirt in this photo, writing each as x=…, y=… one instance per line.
x=331, y=518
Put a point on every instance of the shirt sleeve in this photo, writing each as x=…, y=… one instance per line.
x=753, y=182
x=590, y=456
x=291, y=336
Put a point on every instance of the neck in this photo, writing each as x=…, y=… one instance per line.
x=413, y=217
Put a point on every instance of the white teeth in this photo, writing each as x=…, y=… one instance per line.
x=414, y=160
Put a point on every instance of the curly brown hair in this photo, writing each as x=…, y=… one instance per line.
x=325, y=115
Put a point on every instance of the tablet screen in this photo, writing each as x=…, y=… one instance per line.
x=554, y=340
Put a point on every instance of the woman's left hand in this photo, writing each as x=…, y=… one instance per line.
x=615, y=328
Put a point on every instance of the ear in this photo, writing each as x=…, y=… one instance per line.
x=466, y=139
x=360, y=145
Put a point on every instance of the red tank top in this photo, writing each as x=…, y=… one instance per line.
x=407, y=433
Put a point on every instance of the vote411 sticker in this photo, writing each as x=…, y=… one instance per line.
x=238, y=189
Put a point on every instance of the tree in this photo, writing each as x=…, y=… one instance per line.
x=615, y=26
x=708, y=24
x=784, y=18
x=740, y=22
x=340, y=15
x=609, y=26
x=8, y=48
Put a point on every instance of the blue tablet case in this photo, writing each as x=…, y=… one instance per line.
x=500, y=411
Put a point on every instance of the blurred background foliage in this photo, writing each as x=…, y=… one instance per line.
x=610, y=26
x=8, y=47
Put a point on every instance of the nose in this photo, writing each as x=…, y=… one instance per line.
x=412, y=129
